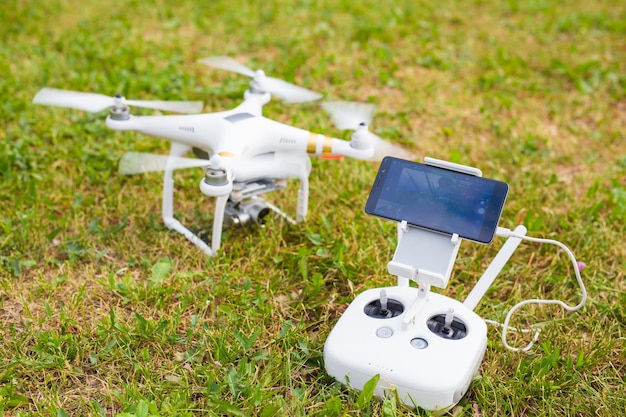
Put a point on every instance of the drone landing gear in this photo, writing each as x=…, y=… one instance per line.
x=178, y=150
x=238, y=202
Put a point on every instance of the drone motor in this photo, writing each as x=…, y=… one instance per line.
x=119, y=110
x=216, y=182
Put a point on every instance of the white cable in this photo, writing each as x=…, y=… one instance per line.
x=536, y=334
x=505, y=326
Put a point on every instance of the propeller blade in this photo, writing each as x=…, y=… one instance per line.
x=289, y=93
x=348, y=115
x=140, y=162
x=272, y=165
x=93, y=102
x=284, y=90
x=90, y=102
x=384, y=148
x=228, y=64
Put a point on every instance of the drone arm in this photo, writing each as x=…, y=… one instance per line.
x=189, y=130
x=318, y=144
x=345, y=148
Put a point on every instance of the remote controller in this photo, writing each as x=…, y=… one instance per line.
x=428, y=349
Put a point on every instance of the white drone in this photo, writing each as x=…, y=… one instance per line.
x=244, y=153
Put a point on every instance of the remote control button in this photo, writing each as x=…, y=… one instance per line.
x=419, y=343
x=384, y=332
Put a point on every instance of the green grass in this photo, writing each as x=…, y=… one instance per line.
x=103, y=311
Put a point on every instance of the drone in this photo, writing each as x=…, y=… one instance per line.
x=244, y=154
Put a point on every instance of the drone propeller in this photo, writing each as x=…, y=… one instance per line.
x=93, y=102
x=139, y=162
x=243, y=169
x=288, y=92
x=348, y=115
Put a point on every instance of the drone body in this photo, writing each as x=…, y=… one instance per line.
x=242, y=132
x=244, y=153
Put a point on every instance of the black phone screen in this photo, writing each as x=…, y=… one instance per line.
x=437, y=199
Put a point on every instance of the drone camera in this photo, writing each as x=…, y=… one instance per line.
x=252, y=211
x=258, y=212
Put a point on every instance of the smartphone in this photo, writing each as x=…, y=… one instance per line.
x=437, y=199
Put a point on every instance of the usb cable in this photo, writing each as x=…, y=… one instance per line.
x=578, y=266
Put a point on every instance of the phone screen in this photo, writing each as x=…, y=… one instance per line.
x=437, y=199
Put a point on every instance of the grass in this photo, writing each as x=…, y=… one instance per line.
x=105, y=312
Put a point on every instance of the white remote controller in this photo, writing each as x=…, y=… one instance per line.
x=426, y=349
